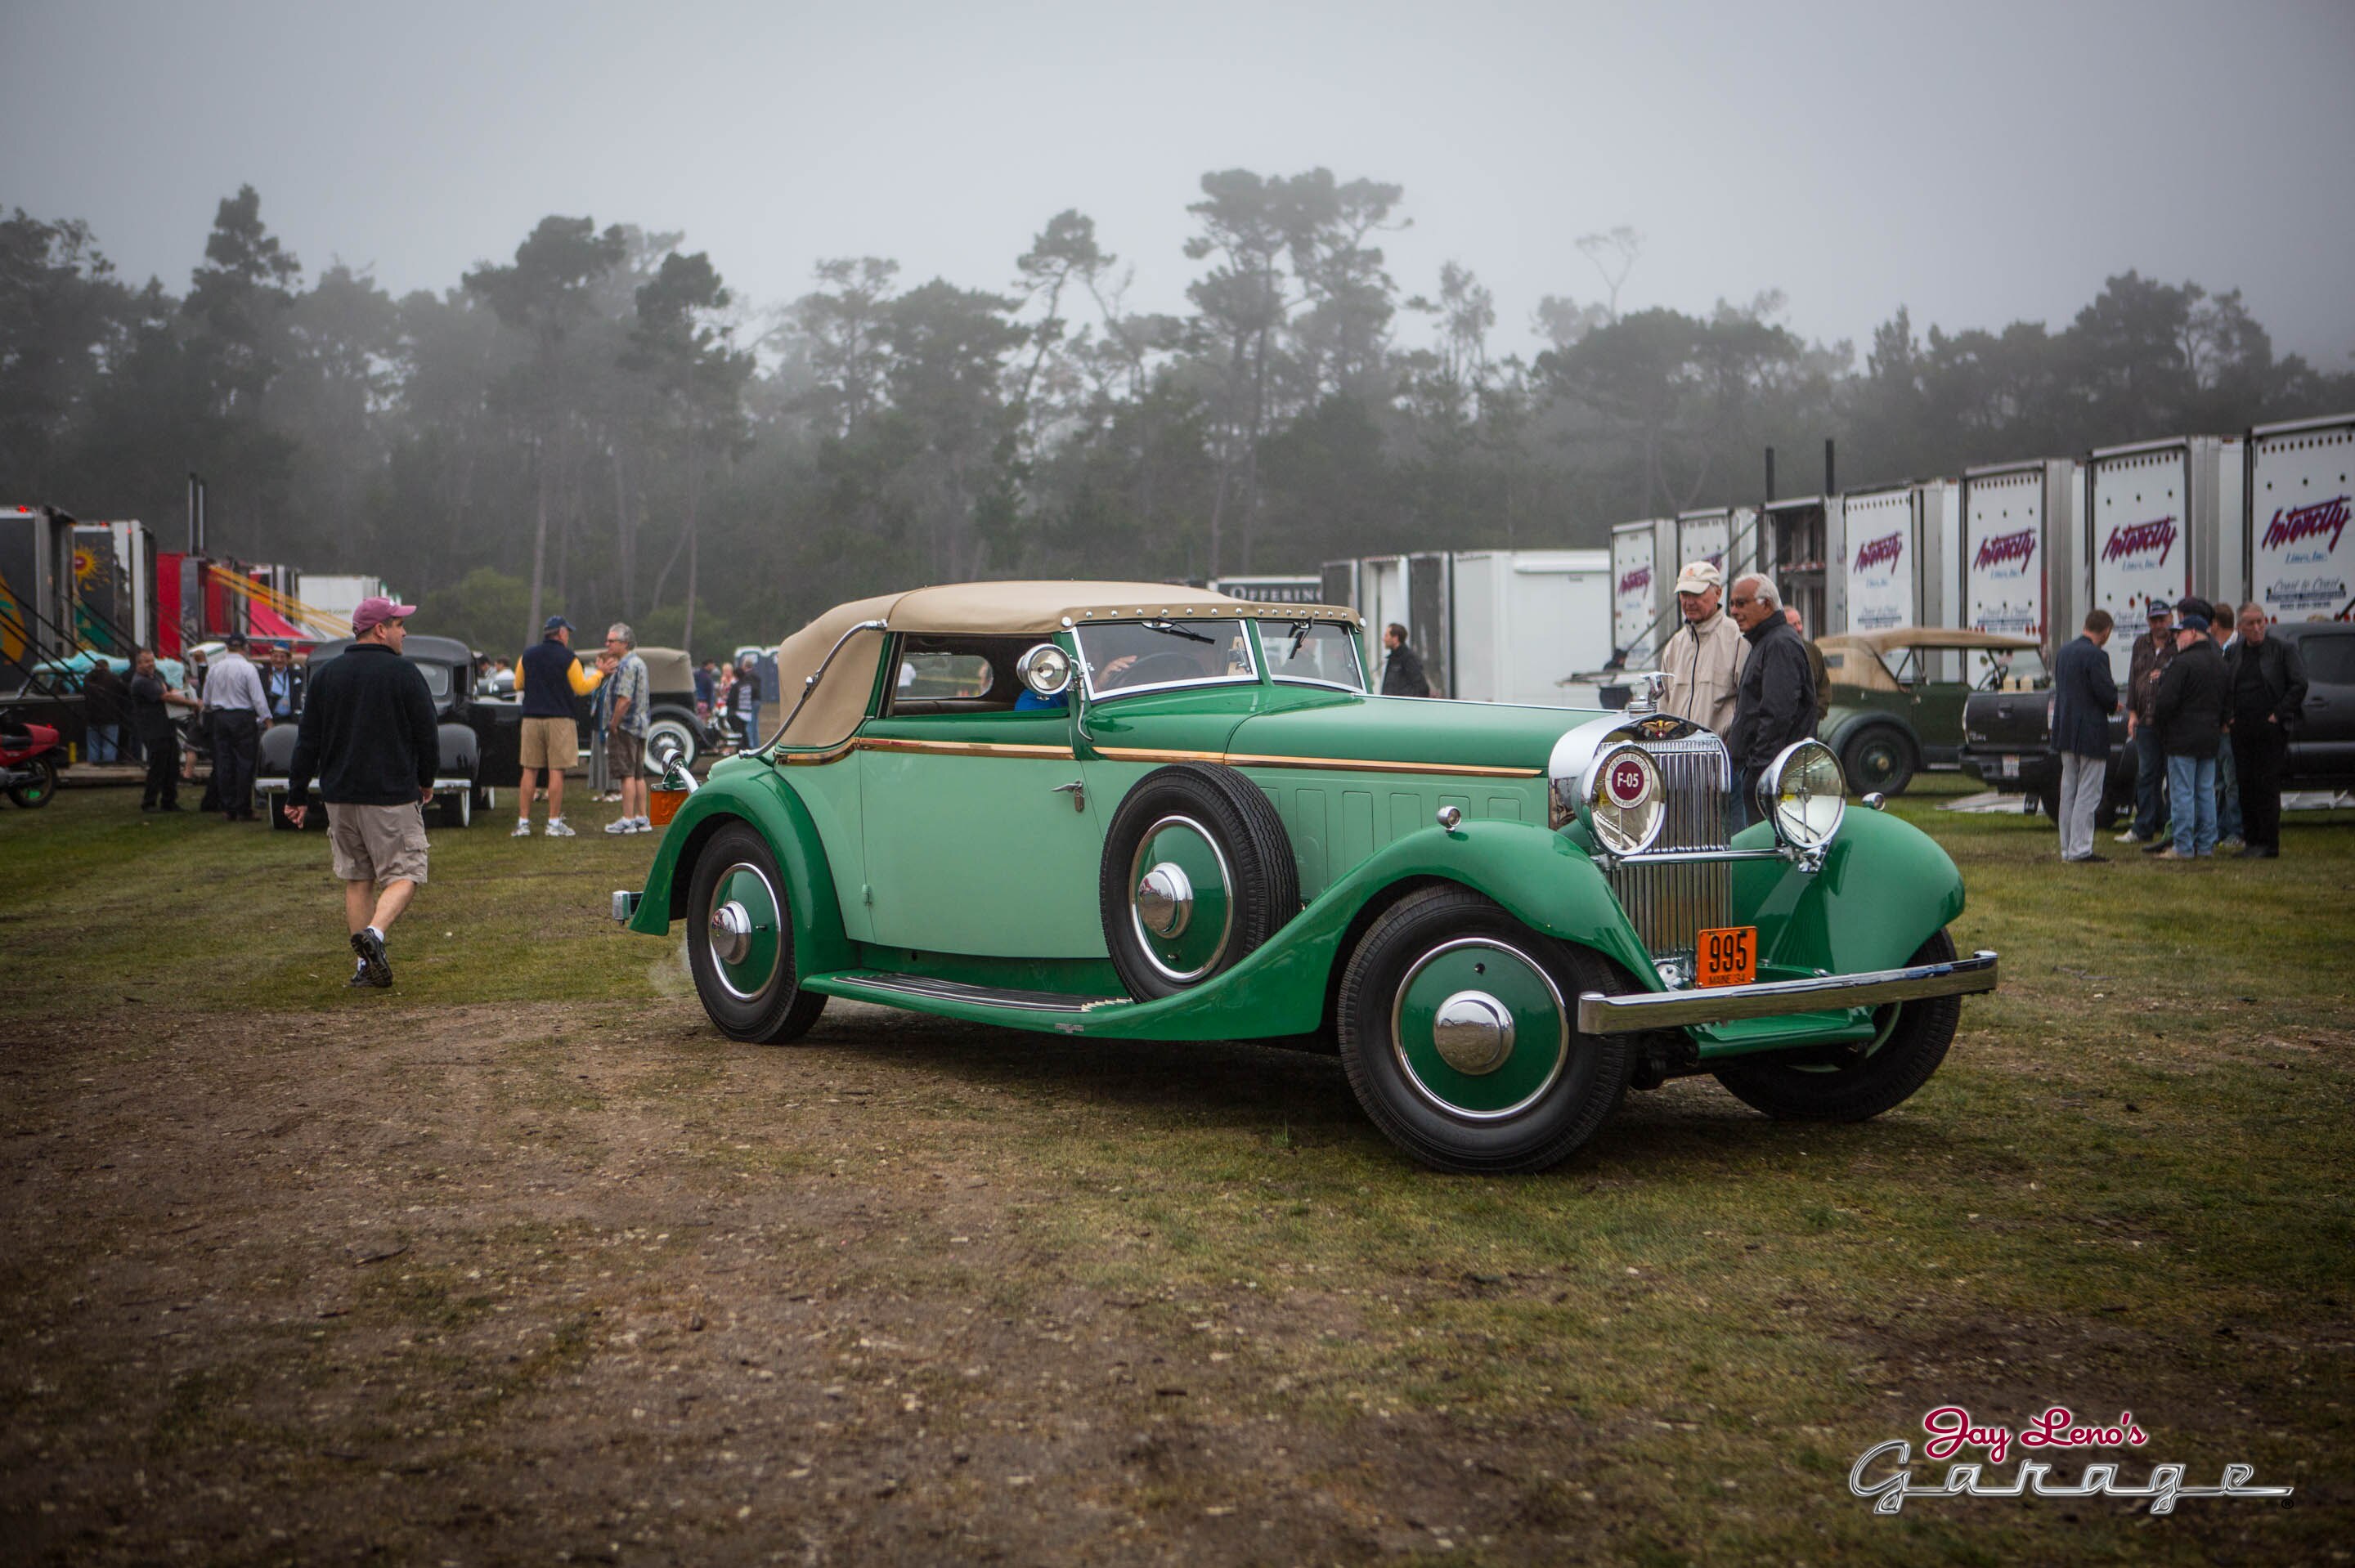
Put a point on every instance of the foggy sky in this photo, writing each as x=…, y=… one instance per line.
x=1978, y=162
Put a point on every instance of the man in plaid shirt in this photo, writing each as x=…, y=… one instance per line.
x=625, y=736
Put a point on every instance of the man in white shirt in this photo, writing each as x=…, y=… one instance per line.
x=1703, y=660
x=240, y=710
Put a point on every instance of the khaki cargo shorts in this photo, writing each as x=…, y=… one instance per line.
x=551, y=743
x=376, y=843
x=625, y=753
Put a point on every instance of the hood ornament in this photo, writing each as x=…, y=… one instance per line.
x=1643, y=691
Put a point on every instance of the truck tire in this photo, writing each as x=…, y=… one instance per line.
x=1912, y=1042
x=2049, y=796
x=1197, y=872
x=1459, y=1030
x=1880, y=758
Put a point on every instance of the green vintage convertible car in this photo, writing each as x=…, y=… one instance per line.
x=1137, y=812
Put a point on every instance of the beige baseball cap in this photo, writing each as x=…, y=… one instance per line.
x=1699, y=577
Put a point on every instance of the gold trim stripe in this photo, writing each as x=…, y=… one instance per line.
x=1334, y=764
x=1144, y=754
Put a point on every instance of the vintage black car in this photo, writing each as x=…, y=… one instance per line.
x=460, y=784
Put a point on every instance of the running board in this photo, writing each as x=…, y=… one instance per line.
x=871, y=985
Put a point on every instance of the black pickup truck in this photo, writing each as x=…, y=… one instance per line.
x=2008, y=735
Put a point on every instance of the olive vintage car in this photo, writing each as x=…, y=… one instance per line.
x=1129, y=811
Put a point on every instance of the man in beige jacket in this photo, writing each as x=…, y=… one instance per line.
x=1703, y=660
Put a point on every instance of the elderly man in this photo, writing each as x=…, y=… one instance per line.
x=239, y=711
x=628, y=690
x=1704, y=659
x=2188, y=710
x=2085, y=695
x=1776, y=701
x=1817, y=668
x=368, y=735
x=2153, y=651
x=2266, y=683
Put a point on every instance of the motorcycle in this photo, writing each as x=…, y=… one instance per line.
x=29, y=757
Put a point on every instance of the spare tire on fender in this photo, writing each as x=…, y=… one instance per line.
x=1196, y=873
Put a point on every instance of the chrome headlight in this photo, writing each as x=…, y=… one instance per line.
x=1621, y=800
x=1802, y=794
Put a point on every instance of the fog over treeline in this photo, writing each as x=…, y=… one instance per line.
x=597, y=424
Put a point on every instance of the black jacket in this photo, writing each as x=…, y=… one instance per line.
x=1402, y=674
x=2283, y=668
x=1775, y=703
x=2190, y=703
x=367, y=732
x=2085, y=695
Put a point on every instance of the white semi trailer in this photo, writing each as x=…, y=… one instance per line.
x=1643, y=576
x=2020, y=556
x=2301, y=561
x=1500, y=626
x=1799, y=547
x=2163, y=519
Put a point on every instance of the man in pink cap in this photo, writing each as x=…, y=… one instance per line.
x=368, y=736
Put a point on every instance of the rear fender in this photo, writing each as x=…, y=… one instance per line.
x=755, y=792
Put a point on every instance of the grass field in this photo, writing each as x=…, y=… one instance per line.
x=522, y=1262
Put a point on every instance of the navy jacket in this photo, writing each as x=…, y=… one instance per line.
x=2085, y=695
x=547, y=680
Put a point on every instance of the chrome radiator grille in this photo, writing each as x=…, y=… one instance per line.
x=1668, y=903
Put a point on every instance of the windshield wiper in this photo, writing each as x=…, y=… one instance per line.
x=1299, y=635
x=1171, y=628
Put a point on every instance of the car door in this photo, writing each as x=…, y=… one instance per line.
x=979, y=836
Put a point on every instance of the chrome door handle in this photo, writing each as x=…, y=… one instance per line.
x=1077, y=790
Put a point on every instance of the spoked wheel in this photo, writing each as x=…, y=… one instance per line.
x=669, y=730
x=1909, y=1041
x=740, y=942
x=37, y=792
x=1459, y=1030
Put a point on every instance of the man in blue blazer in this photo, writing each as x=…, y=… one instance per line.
x=2085, y=695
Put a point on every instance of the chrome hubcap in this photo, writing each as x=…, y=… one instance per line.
x=1473, y=1031
x=732, y=933
x=1164, y=900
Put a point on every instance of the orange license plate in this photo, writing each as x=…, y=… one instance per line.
x=1728, y=955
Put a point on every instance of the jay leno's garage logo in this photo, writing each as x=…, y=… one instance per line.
x=1883, y=1474
x=1997, y=551
x=2136, y=542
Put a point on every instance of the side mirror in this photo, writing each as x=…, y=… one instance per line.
x=1046, y=669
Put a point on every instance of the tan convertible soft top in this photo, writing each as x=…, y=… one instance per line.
x=976, y=609
x=1856, y=658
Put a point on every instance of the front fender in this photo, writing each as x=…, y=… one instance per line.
x=747, y=789
x=1886, y=887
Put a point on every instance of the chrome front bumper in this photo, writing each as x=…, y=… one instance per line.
x=1600, y=1014
x=625, y=904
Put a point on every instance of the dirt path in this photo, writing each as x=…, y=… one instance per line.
x=535, y=1283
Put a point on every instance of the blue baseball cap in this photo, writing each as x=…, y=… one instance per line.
x=555, y=623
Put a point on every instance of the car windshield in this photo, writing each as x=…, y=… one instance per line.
x=437, y=677
x=1323, y=652
x=1122, y=657
x=2013, y=670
